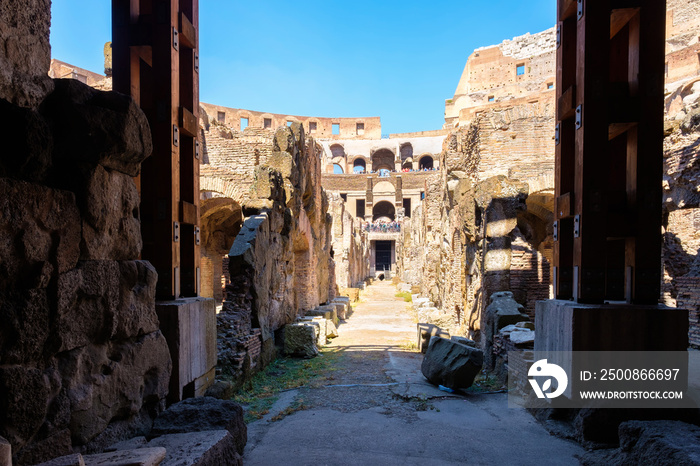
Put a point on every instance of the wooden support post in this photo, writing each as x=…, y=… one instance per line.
x=155, y=50
x=608, y=166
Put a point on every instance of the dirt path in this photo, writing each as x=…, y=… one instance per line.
x=376, y=408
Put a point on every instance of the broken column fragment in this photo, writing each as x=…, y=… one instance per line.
x=451, y=364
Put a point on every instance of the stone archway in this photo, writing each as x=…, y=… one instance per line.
x=383, y=159
x=221, y=220
x=383, y=209
x=426, y=162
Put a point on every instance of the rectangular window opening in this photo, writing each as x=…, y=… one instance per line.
x=360, y=208
x=244, y=123
x=550, y=85
x=520, y=70
x=221, y=117
x=407, y=207
x=360, y=127
x=336, y=128
x=312, y=126
x=491, y=98
x=267, y=123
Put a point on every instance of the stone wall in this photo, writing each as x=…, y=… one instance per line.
x=280, y=264
x=351, y=252
x=82, y=361
x=348, y=128
x=471, y=236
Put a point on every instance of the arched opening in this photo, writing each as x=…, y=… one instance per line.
x=337, y=169
x=337, y=151
x=383, y=211
x=221, y=220
x=383, y=159
x=426, y=162
x=359, y=165
x=406, y=151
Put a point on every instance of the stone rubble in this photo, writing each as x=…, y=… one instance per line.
x=451, y=364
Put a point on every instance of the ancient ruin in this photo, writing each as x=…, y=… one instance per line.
x=155, y=248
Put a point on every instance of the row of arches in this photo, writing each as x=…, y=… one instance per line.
x=381, y=161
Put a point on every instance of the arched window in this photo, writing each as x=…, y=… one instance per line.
x=384, y=210
x=337, y=150
x=359, y=165
x=383, y=159
x=426, y=162
x=337, y=169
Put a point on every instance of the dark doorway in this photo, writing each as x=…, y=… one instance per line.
x=382, y=250
x=360, y=208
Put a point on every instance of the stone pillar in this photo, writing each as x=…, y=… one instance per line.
x=399, y=193
x=369, y=199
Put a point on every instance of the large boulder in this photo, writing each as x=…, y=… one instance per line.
x=203, y=414
x=451, y=364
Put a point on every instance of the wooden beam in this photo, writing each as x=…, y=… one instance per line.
x=188, y=34
x=188, y=213
x=566, y=104
x=565, y=206
x=188, y=123
x=619, y=18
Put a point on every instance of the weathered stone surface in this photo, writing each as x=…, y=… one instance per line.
x=24, y=397
x=212, y=448
x=341, y=309
x=464, y=341
x=137, y=293
x=75, y=459
x=331, y=329
x=426, y=332
x=300, y=340
x=28, y=143
x=451, y=364
x=131, y=444
x=523, y=338
x=203, y=414
x=114, y=381
x=152, y=456
x=5, y=453
x=527, y=325
x=57, y=444
x=25, y=325
x=39, y=234
x=25, y=53
x=110, y=209
x=96, y=127
x=665, y=443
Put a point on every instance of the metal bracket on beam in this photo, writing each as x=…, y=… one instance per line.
x=558, y=35
x=579, y=9
x=556, y=134
x=579, y=116
x=176, y=40
x=197, y=238
x=196, y=149
x=176, y=232
x=577, y=226
x=176, y=136
x=555, y=231
x=196, y=62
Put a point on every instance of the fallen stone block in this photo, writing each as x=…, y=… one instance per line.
x=324, y=310
x=300, y=340
x=451, y=364
x=203, y=414
x=331, y=329
x=341, y=309
x=75, y=459
x=319, y=325
x=5, y=453
x=151, y=456
x=426, y=332
x=523, y=338
x=211, y=448
x=464, y=341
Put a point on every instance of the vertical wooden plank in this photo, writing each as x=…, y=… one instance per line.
x=647, y=43
x=592, y=71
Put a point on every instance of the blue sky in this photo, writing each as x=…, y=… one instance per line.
x=396, y=60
